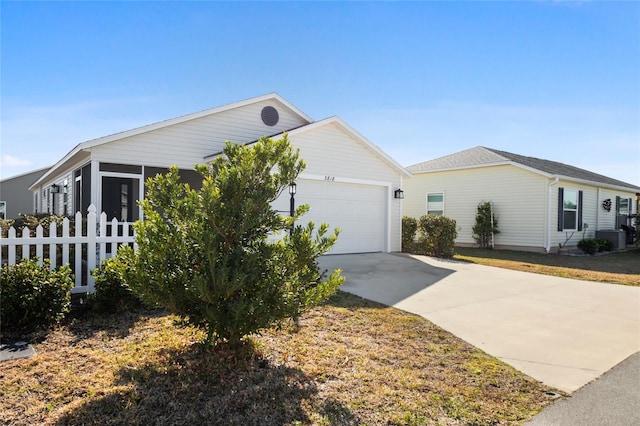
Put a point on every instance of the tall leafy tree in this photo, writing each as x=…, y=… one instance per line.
x=209, y=255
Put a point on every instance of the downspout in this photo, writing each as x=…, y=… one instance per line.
x=598, y=211
x=554, y=182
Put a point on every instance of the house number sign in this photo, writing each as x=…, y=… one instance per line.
x=330, y=178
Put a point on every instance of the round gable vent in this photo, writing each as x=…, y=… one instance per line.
x=270, y=116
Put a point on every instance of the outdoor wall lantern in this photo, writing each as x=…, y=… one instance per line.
x=292, y=203
x=55, y=189
x=398, y=193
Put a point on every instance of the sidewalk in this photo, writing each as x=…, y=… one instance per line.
x=613, y=399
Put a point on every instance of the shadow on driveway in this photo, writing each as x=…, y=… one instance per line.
x=560, y=331
x=371, y=276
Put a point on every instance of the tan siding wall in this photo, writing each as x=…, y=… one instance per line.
x=186, y=144
x=518, y=197
x=330, y=151
x=520, y=200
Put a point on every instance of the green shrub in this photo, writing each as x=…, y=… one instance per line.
x=207, y=256
x=437, y=236
x=33, y=296
x=112, y=293
x=486, y=225
x=409, y=229
x=588, y=245
x=594, y=245
x=604, y=244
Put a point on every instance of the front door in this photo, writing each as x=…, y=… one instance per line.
x=119, y=196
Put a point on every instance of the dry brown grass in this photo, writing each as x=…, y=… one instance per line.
x=616, y=268
x=349, y=362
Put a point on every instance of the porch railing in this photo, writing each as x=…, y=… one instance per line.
x=82, y=251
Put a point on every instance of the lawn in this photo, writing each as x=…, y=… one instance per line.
x=350, y=361
x=616, y=268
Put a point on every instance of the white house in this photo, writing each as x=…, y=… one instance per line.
x=349, y=182
x=540, y=204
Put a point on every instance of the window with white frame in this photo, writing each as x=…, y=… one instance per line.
x=570, y=210
x=3, y=209
x=435, y=203
x=624, y=206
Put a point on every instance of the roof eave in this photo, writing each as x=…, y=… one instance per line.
x=57, y=165
x=84, y=146
x=474, y=166
x=193, y=116
x=598, y=184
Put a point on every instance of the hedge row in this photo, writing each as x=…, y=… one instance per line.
x=35, y=298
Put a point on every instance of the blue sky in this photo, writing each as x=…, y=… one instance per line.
x=554, y=80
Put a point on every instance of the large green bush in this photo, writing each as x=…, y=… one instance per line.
x=409, y=229
x=437, y=235
x=208, y=255
x=33, y=296
x=112, y=293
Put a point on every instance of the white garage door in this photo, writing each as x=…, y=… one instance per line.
x=360, y=211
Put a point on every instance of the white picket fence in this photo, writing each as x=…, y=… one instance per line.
x=102, y=240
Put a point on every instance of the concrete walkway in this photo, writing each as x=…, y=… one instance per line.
x=562, y=332
x=611, y=400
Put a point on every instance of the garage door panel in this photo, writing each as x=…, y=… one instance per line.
x=358, y=210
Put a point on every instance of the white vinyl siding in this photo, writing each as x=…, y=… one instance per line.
x=518, y=196
x=607, y=219
x=331, y=152
x=337, y=158
x=520, y=201
x=188, y=143
x=589, y=213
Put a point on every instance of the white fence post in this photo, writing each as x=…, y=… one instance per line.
x=78, y=249
x=91, y=247
x=65, y=246
x=12, y=248
x=97, y=241
x=53, y=247
x=25, y=247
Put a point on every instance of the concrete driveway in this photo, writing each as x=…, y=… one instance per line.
x=562, y=332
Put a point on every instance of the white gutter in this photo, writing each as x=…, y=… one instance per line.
x=553, y=182
x=598, y=210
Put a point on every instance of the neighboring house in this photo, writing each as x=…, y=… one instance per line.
x=539, y=204
x=15, y=197
x=349, y=182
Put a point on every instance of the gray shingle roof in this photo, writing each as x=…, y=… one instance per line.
x=481, y=156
